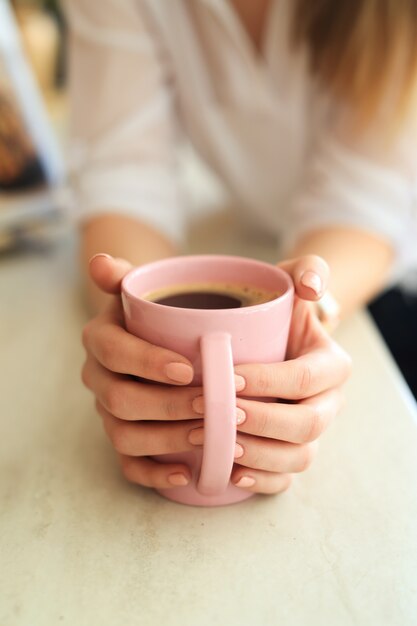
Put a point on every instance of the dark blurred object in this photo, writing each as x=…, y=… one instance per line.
x=52, y=6
x=20, y=167
x=395, y=313
x=41, y=29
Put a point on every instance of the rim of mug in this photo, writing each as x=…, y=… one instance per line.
x=288, y=293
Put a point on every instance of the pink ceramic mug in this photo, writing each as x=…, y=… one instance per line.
x=214, y=341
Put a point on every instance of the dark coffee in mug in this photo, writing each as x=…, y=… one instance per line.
x=210, y=296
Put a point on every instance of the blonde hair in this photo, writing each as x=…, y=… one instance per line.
x=363, y=51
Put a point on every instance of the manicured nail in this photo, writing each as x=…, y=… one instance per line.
x=312, y=281
x=179, y=372
x=179, y=480
x=240, y=415
x=240, y=382
x=102, y=254
x=196, y=436
x=239, y=451
x=198, y=405
x=246, y=481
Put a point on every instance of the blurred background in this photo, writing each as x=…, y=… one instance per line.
x=35, y=198
x=33, y=115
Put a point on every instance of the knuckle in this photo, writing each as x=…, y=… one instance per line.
x=112, y=398
x=171, y=409
x=135, y=470
x=118, y=437
x=264, y=381
x=304, y=377
x=286, y=482
x=147, y=361
x=257, y=458
x=314, y=425
x=262, y=423
x=277, y=483
x=282, y=483
x=107, y=351
x=338, y=402
x=305, y=457
x=128, y=467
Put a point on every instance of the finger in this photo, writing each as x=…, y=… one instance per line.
x=149, y=473
x=310, y=274
x=122, y=352
x=274, y=456
x=296, y=423
x=132, y=400
x=146, y=438
x=108, y=272
x=258, y=481
x=305, y=376
x=266, y=454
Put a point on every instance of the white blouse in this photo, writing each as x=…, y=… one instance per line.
x=147, y=73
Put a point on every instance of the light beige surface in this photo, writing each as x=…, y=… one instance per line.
x=80, y=546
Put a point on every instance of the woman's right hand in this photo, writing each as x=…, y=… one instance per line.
x=141, y=418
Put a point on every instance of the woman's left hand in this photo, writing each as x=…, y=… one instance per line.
x=277, y=439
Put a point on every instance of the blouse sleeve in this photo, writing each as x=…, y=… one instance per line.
x=123, y=119
x=365, y=183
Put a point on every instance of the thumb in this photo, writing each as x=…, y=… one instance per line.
x=310, y=274
x=108, y=272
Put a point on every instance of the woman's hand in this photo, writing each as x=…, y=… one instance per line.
x=277, y=439
x=141, y=418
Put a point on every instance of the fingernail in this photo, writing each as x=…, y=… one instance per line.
x=179, y=480
x=239, y=451
x=196, y=436
x=179, y=372
x=246, y=481
x=102, y=254
x=312, y=281
x=240, y=415
x=240, y=382
x=198, y=404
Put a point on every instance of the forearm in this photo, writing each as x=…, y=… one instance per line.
x=120, y=236
x=359, y=263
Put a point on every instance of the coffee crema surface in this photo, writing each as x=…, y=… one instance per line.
x=207, y=295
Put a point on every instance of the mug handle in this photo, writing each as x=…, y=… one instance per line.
x=219, y=413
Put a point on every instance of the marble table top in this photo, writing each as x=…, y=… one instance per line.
x=80, y=546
